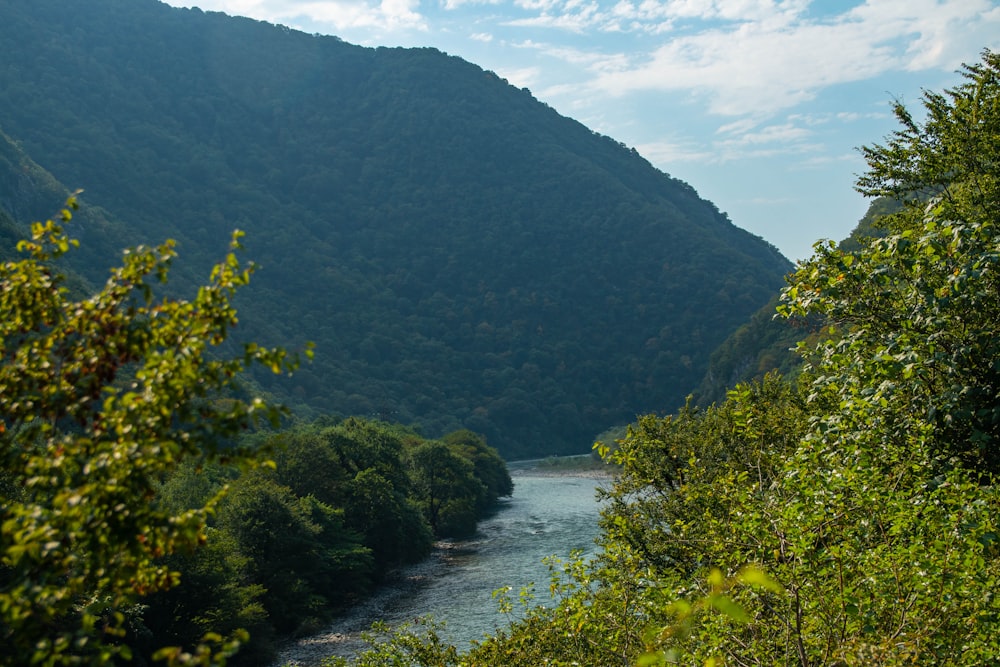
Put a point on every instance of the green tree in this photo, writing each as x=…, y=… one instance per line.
x=358, y=467
x=487, y=466
x=916, y=313
x=299, y=551
x=100, y=399
x=391, y=522
x=874, y=509
x=446, y=489
x=896, y=522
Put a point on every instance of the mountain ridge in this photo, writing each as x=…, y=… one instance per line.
x=462, y=255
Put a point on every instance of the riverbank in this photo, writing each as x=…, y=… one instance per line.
x=581, y=465
x=553, y=511
x=343, y=636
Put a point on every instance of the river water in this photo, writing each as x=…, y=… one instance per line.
x=547, y=515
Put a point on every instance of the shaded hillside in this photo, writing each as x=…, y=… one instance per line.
x=766, y=343
x=870, y=225
x=29, y=193
x=461, y=255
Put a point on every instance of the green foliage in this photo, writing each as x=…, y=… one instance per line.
x=359, y=467
x=487, y=466
x=917, y=311
x=406, y=646
x=298, y=549
x=877, y=515
x=717, y=598
x=100, y=400
x=446, y=489
x=216, y=594
x=291, y=546
x=683, y=477
x=871, y=225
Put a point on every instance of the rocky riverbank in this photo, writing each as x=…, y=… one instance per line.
x=343, y=636
x=523, y=528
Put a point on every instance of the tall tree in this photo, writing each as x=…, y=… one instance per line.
x=446, y=489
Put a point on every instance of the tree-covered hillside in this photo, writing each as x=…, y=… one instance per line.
x=461, y=255
x=767, y=342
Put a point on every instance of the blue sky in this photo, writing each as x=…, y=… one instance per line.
x=758, y=104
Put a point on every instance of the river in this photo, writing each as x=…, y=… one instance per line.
x=547, y=515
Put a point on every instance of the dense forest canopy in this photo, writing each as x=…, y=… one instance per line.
x=461, y=255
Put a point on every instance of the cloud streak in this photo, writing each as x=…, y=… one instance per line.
x=758, y=58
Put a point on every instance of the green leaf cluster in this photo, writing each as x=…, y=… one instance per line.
x=100, y=400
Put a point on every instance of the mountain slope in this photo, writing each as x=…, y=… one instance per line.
x=461, y=254
x=766, y=342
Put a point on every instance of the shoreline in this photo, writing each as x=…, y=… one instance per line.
x=583, y=474
x=341, y=637
x=563, y=466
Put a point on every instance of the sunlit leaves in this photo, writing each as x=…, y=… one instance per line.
x=918, y=309
x=99, y=400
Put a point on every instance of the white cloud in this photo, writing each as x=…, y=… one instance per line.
x=938, y=32
x=382, y=16
x=574, y=17
x=737, y=127
x=594, y=62
x=825, y=118
x=666, y=153
x=386, y=15
x=538, y=5
x=651, y=16
x=819, y=161
x=750, y=69
x=523, y=77
x=746, y=141
x=785, y=133
x=852, y=116
x=737, y=10
x=773, y=56
x=739, y=141
x=455, y=4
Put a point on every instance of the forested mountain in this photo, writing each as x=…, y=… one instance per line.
x=461, y=255
x=767, y=342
